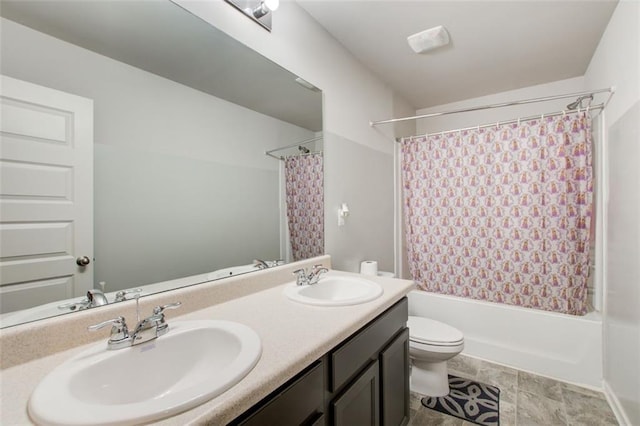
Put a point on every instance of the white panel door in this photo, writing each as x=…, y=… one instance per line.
x=46, y=194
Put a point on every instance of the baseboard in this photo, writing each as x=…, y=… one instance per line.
x=615, y=405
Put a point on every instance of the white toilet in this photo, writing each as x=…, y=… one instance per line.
x=431, y=344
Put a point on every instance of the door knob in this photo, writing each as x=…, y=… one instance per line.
x=83, y=261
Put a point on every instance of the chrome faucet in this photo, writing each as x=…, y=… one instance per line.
x=264, y=264
x=309, y=278
x=147, y=329
x=260, y=264
x=153, y=326
x=94, y=298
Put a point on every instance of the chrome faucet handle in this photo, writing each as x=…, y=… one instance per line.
x=75, y=306
x=316, y=271
x=119, y=332
x=116, y=322
x=159, y=309
x=121, y=296
x=301, y=276
x=158, y=317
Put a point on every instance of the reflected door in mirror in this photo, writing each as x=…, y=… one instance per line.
x=46, y=202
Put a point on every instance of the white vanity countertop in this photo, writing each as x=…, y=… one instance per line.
x=293, y=336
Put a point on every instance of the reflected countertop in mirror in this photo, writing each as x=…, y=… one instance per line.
x=182, y=116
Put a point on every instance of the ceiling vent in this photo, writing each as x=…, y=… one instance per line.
x=429, y=39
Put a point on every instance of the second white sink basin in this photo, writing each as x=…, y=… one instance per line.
x=194, y=362
x=335, y=290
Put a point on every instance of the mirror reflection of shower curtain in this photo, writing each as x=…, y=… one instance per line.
x=502, y=214
x=304, y=189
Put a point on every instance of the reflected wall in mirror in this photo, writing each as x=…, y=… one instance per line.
x=180, y=117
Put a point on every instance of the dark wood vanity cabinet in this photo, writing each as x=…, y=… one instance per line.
x=394, y=380
x=363, y=381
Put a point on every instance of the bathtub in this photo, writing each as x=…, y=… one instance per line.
x=560, y=346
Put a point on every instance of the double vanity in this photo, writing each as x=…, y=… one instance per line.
x=249, y=350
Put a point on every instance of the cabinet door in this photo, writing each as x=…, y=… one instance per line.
x=359, y=404
x=394, y=381
x=299, y=403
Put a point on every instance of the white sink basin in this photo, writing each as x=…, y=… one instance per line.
x=193, y=363
x=335, y=291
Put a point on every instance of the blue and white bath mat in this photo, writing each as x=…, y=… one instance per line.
x=468, y=400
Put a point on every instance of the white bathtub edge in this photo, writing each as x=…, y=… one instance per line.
x=558, y=346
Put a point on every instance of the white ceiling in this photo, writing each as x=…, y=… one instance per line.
x=495, y=45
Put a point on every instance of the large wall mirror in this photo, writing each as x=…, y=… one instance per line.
x=181, y=119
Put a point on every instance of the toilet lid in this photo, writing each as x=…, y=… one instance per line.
x=425, y=330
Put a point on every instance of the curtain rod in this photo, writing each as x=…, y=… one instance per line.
x=501, y=123
x=282, y=158
x=303, y=142
x=610, y=90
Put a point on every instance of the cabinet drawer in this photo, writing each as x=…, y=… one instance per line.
x=301, y=402
x=358, y=351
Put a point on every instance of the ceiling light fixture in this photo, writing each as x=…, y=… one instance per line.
x=265, y=7
x=429, y=39
x=258, y=10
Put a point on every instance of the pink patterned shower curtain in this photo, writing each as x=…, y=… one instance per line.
x=502, y=214
x=304, y=189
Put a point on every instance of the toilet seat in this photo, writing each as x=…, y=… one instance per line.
x=432, y=332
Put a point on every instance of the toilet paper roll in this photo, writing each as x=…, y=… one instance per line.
x=369, y=267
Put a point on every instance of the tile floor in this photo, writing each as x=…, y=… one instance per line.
x=525, y=399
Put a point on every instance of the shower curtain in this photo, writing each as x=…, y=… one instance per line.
x=304, y=190
x=503, y=213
